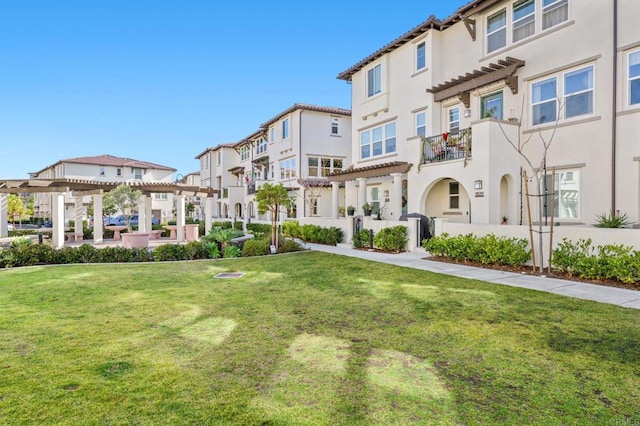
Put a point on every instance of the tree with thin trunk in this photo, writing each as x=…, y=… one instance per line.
x=125, y=199
x=271, y=198
x=537, y=168
x=15, y=207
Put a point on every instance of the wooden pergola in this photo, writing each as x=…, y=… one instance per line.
x=58, y=187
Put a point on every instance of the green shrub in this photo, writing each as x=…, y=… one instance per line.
x=87, y=253
x=21, y=232
x=169, y=252
x=213, y=252
x=232, y=251
x=321, y=235
x=115, y=255
x=612, y=220
x=255, y=247
x=392, y=239
x=290, y=228
x=288, y=246
x=489, y=249
x=196, y=250
x=260, y=228
x=222, y=224
x=237, y=225
x=361, y=239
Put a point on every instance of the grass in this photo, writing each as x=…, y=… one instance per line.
x=308, y=338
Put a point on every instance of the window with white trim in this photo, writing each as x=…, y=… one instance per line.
x=454, y=119
x=554, y=12
x=634, y=78
x=335, y=126
x=375, y=200
x=101, y=171
x=374, y=80
x=272, y=171
x=245, y=152
x=118, y=171
x=219, y=157
x=378, y=141
x=421, y=56
x=577, y=96
x=497, y=30
x=454, y=195
x=288, y=168
x=261, y=146
x=421, y=124
x=524, y=19
x=137, y=173
x=272, y=134
x=323, y=167
x=285, y=128
x=565, y=194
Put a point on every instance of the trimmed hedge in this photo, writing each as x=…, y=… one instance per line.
x=488, y=250
x=361, y=239
x=394, y=238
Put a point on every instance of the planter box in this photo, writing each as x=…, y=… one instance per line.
x=191, y=232
x=135, y=240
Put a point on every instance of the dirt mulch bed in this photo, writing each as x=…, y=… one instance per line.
x=529, y=271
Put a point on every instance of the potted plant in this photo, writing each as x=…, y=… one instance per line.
x=505, y=220
x=366, y=208
x=351, y=210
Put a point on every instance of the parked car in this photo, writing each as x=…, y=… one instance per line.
x=119, y=220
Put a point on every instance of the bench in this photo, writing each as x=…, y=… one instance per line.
x=73, y=237
x=156, y=234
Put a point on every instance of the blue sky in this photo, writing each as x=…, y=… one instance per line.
x=160, y=81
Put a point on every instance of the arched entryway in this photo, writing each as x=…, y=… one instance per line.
x=507, y=201
x=251, y=213
x=238, y=210
x=447, y=198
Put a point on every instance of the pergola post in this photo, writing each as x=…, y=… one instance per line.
x=4, y=204
x=335, y=199
x=397, y=196
x=148, y=213
x=97, y=218
x=208, y=214
x=142, y=214
x=57, y=217
x=180, y=220
x=79, y=216
x=362, y=193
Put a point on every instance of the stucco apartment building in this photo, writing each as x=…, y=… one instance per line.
x=299, y=147
x=104, y=168
x=433, y=111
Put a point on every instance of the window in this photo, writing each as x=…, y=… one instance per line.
x=118, y=171
x=374, y=80
x=272, y=170
x=378, y=141
x=454, y=119
x=578, y=92
x=554, y=12
x=285, y=128
x=162, y=196
x=634, y=78
x=101, y=171
x=137, y=173
x=219, y=158
x=544, y=102
x=497, y=31
x=375, y=200
x=566, y=195
x=421, y=56
x=454, y=195
x=261, y=146
x=524, y=19
x=323, y=167
x=288, y=168
x=492, y=106
x=335, y=126
x=272, y=134
x=421, y=125
x=245, y=152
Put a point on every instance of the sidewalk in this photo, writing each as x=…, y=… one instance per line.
x=612, y=295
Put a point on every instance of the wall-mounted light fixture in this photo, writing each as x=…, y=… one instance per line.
x=477, y=184
x=467, y=113
x=386, y=193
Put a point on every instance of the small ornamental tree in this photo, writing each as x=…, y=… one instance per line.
x=15, y=207
x=124, y=199
x=271, y=198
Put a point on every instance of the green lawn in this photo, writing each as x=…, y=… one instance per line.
x=307, y=338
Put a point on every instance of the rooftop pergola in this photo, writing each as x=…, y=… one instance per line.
x=58, y=187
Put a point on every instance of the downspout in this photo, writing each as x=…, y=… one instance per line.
x=614, y=120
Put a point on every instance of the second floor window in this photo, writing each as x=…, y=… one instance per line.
x=374, y=80
x=261, y=146
x=378, y=141
x=544, y=103
x=497, y=31
x=118, y=171
x=335, y=126
x=288, y=168
x=578, y=92
x=577, y=96
x=454, y=119
x=421, y=124
x=285, y=128
x=137, y=173
x=323, y=167
x=421, y=56
x=634, y=78
x=245, y=153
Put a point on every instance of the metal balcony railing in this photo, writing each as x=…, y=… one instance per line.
x=251, y=188
x=447, y=147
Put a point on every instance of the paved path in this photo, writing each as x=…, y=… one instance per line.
x=604, y=294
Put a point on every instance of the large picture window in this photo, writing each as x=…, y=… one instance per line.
x=323, y=167
x=566, y=195
x=378, y=141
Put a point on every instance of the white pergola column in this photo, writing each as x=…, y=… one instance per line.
x=362, y=194
x=208, y=214
x=180, y=220
x=396, y=203
x=57, y=217
x=142, y=213
x=148, y=213
x=97, y=219
x=335, y=198
x=79, y=214
x=4, y=203
x=349, y=194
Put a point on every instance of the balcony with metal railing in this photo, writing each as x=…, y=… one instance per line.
x=447, y=147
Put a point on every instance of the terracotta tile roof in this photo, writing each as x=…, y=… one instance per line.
x=217, y=147
x=307, y=107
x=431, y=23
x=110, y=160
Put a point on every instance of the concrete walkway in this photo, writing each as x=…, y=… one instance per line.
x=415, y=260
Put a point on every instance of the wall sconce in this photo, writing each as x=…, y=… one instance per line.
x=386, y=193
x=467, y=113
x=477, y=184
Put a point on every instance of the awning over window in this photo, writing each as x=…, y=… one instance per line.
x=464, y=84
x=384, y=169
